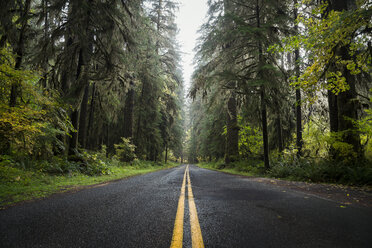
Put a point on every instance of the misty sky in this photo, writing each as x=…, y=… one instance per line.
x=190, y=17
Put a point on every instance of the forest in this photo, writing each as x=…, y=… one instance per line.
x=86, y=85
x=283, y=88
x=82, y=75
x=280, y=88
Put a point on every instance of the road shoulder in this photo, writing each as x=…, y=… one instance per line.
x=342, y=194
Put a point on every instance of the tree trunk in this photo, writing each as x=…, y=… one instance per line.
x=91, y=118
x=44, y=79
x=166, y=154
x=81, y=79
x=107, y=136
x=299, y=140
x=232, y=129
x=73, y=140
x=3, y=40
x=264, y=129
x=128, y=112
x=137, y=137
x=333, y=111
x=83, y=118
x=279, y=130
x=15, y=88
x=347, y=110
x=232, y=135
x=261, y=63
x=347, y=105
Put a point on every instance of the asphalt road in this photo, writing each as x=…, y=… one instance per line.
x=140, y=211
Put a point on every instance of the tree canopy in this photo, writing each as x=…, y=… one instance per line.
x=299, y=73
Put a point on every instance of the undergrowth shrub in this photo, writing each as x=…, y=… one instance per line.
x=253, y=166
x=38, y=117
x=323, y=171
x=144, y=164
x=125, y=150
x=88, y=163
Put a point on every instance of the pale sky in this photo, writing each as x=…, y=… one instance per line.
x=190, y=17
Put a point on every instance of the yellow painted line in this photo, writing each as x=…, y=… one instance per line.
x=196, y=235
x=177, y=237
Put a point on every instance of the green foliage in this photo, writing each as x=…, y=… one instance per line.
x=365, y=128
x=9, y=174
x=319, y=143
x=250, y=140
x=316, y=138
x=248, y=167
x=206, y=139
x=125, y=150
x=87, y=163
x=32, y=126
x=311, y=170
x=343, y=150
x=323, y=171
x=91, y=164
x=335, y=29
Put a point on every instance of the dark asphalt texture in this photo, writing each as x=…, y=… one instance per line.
x=233, y=212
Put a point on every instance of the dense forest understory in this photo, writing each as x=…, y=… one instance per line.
x=280, y=88
x=283, y=88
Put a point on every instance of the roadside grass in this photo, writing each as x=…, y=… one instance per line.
x=19, y=184
x=252, y=167
x=305, y=170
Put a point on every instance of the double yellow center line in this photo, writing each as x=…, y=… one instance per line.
x=196, y=235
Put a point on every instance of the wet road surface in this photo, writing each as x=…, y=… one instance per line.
x=140, y=211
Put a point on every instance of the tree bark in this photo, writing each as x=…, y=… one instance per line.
x=15, y=87
x=166, y=155
x=3, y=40
x=261, y=62
x=347, y=106
x=44, y=79
x=348, y=110
x=139, y=121
x=264, y=129
x=81, y=79
x=91, y=118
x=333, y=111
x=83, y=118
x=107, y=136
x=232, y=134
x=299, y=140
x=73, y=140
x=128, y=112
x=279, y=131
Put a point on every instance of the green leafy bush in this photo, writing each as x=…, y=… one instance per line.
x=90, y=163
x=31, y=126
x=323, y=171
x=84, y=163
x=125, y=150
x=251, y=166
x=365, y=127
